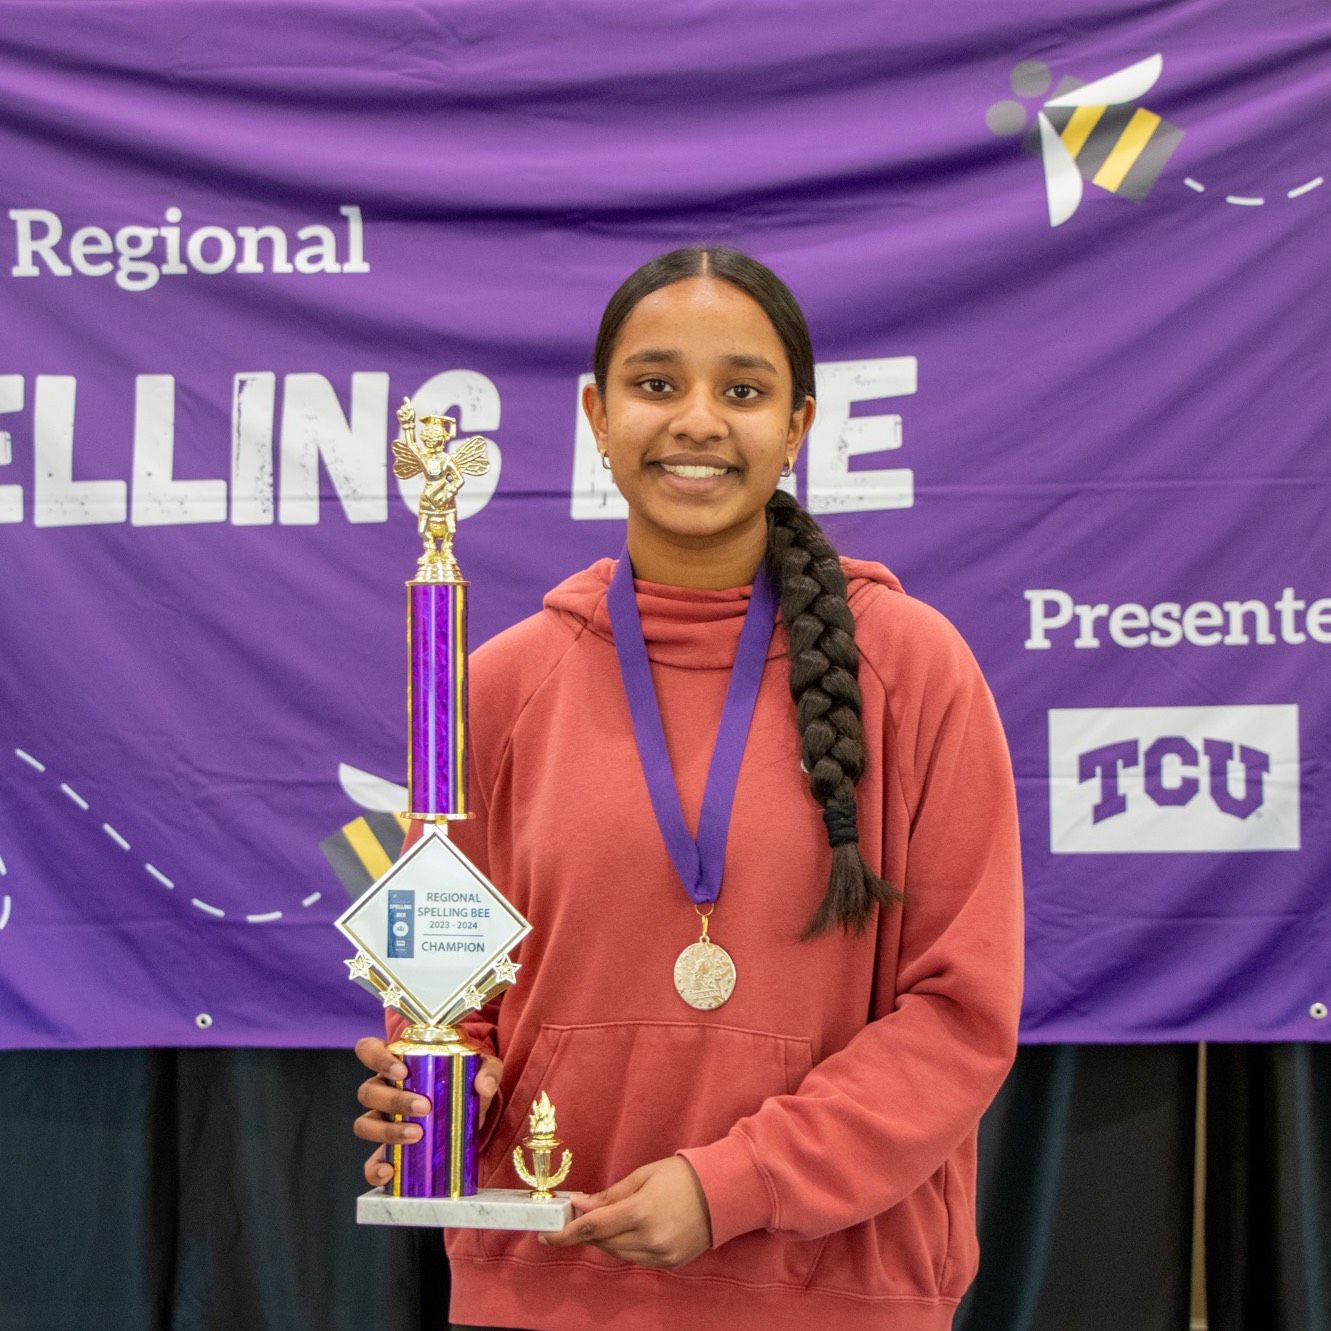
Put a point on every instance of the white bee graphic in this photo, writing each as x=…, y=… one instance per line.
x=375, y=793
x=1062, y=176
x=364, y=849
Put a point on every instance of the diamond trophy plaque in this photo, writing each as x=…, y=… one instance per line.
x=432, y=935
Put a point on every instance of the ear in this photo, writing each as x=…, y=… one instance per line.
x=800, y=421
x=593, y=407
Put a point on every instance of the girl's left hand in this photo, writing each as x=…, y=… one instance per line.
x=656, y=1217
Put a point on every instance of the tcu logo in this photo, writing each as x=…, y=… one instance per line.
x=1124, y=780
x=1168, y=765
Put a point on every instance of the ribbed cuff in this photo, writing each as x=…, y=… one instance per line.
x=739, y=1197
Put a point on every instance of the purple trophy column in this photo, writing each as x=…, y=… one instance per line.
x=437, y=699
x=443, y=1162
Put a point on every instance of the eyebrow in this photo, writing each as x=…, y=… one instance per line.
x=666, y=356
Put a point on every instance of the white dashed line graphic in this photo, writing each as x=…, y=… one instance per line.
x=115, y=836
x=258, y=917
x=1256, y=200
x=73, y=795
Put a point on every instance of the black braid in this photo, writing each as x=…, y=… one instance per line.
x=824, y=681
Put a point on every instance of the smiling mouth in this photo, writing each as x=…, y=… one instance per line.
x=692, y=471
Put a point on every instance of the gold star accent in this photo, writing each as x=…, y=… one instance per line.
x=506, y=971
x=358, y=967
x=392, y=996
x=473, y=997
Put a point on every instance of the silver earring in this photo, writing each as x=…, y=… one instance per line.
x=605, y=461
x=788, y=469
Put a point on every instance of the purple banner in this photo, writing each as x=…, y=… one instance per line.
x=1066, y=277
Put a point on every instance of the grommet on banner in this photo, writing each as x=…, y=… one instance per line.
x=203, y=1021
x=1318, y=1011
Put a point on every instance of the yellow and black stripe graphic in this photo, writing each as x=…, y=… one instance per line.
x=1122, y=149
x=365, y=849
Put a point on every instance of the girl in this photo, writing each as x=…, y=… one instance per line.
x=774, y=975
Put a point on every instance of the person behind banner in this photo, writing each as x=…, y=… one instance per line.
x=758, y=804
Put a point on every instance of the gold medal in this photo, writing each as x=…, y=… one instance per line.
x=704, y=972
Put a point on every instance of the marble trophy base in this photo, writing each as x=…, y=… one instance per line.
x=490, y=1208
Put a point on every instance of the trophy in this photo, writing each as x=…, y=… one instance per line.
x=432, y=935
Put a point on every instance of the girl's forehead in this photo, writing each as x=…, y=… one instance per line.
x=696, y=316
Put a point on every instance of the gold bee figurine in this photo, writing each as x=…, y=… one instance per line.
x=444, y=473
x=542, y=1143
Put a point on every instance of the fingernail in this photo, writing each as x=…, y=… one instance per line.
x=420, y=1107
x=385, y=1171
x=540, y=1238
x=398, y=1072
x=411, y=1133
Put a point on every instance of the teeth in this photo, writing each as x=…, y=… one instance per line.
x=694, y=472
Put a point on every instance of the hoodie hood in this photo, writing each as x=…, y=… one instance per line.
x=689, y=627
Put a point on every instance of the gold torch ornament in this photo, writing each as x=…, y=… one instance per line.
x=542, y=1143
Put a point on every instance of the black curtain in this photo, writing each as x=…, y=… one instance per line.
x=1268, y=1172
x=1086, y=1192
x=198, y=1190
x=213, y=1190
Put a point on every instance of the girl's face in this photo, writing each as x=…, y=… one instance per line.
x=696, y=417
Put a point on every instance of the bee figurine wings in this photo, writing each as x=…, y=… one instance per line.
x=444, y=471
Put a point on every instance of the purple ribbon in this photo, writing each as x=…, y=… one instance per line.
x=699, y=863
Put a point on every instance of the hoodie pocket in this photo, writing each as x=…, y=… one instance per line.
x=628, y=1093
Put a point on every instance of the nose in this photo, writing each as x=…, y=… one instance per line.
x=697, y=419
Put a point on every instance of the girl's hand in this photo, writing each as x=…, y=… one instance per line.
x=656, y=1217
x=382, y=1099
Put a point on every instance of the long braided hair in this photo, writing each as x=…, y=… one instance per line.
x=811, y=586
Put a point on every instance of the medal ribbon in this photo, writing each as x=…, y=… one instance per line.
x=699, y=863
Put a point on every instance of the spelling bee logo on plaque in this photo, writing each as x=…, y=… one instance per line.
x=433, y=935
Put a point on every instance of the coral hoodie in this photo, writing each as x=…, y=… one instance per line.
x=829, y=1107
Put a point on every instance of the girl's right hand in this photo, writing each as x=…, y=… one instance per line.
x=382, y=1100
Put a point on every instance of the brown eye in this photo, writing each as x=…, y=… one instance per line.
x=748, y=391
